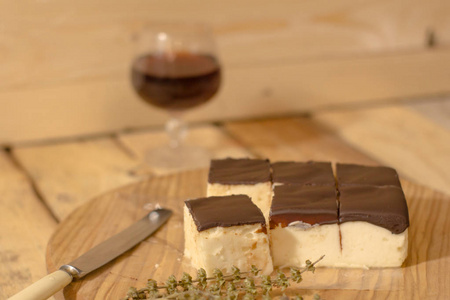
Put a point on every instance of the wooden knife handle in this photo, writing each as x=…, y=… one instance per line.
x=45, y=287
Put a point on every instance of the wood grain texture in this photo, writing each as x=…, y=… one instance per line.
x=165, y=248
x=425, y=275
x=71, y=173
x=294, y=139
x=435, y=110
x=398, y=136
x=25, y=227
x=54, y=42
x=210, y=138
x=67, y=65
x=68, y=174
x=105, y=105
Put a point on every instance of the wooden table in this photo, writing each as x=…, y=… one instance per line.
x=41, y=184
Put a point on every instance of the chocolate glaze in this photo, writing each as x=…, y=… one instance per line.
x=239, y=171
x=384, y=206
x=349, y=174
x=308, y=204
x=304, y=173
x=225, y=211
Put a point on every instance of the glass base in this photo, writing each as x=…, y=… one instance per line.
x=179, y=158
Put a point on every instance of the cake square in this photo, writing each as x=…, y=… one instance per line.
x=374, y=225
x=303, y=173
x=224, y=231
x=350, y=174
x=304, y=225
x=239, y=171
x=250, y=177
x=382, y=206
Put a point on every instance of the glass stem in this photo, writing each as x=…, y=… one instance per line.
x=176, y=129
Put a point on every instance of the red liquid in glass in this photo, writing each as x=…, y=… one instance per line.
x=176, y=82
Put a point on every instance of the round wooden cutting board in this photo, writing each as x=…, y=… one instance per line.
x=425, y=274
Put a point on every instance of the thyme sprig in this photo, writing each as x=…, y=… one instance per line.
x=245, y=285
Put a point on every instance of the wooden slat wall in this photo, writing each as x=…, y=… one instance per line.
x=64, y=64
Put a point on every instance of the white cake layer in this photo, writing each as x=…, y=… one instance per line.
x=260, y=193
x=365, y=245
x=224, y=247
x=293, y=245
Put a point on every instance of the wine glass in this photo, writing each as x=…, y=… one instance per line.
x=176, y=69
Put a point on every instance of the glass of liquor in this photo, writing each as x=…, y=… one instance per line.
x=176, y=69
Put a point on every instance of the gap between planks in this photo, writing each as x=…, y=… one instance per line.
x=59, y=170
x=392, y=135
x=31, y=182
x=25, y=227
x=416, y=101
x=400, y=136
x=69, y=174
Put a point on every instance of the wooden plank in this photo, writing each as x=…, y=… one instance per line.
x=209, y=138
x=55, y=42
x=436, y=110
x=398, y=136
x=90, y=107
x=25, y=227
x=71, y=173
x=294, y=139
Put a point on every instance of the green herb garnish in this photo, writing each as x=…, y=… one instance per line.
x=238, y=285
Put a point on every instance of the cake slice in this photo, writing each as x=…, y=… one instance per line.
x=374, y=225
x=304, y=225
x=350, y=174
x=221, y=232
x=302, y=173
x=250, y=177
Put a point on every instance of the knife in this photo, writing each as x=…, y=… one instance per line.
x=96, y=257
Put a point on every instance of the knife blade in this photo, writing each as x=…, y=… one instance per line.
x=95, y=257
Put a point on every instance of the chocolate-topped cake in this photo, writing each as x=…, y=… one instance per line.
x=304, y=225
x=224, y=231
x=350, y=174
x=250, y=177
x=358, y=219
x=381, y=206
x=224, y=212
x=303, y=173
x=239, y=171
x=310, y=204
x=374, y=225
